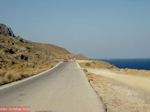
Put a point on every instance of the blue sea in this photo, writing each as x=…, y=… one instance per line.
x=143, y=64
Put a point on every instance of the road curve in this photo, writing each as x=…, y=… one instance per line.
x=63, y=89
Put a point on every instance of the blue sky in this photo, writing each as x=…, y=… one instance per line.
x=96, y=28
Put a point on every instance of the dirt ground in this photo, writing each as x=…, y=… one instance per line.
x=119, y=97
x=122, y=90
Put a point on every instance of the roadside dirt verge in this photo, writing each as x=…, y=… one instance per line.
x=118, y=97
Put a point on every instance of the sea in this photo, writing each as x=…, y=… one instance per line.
x=141, y=64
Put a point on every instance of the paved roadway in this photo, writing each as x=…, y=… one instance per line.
x=63, y=89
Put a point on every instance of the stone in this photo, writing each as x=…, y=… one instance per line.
x=11, y=51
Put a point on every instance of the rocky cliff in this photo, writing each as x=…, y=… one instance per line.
x=4, y=30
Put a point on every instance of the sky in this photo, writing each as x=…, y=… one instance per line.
x=95, y=28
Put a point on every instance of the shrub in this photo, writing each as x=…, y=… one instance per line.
x=8, y=78
x=1, y=80
x=2, y=74
x=88, y=64
x=52, y=66
x=24, y=75
x=93, y=62
x=85, y=70
x=16, y=77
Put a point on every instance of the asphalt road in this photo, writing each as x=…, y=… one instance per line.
x=63, y=89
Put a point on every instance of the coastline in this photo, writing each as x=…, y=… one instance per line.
x=129, y=63
x=122, y=90
x=119, y=70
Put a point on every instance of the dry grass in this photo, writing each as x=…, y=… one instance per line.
x=132, y=71
x=11, y=77
x=105, y=65
x=97, y=64
x=20, y=58
x=14, y=74
x=55, y=50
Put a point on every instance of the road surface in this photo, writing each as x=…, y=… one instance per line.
x=63, y=89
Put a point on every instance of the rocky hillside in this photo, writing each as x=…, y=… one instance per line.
x=21, y=58
x=6, y=30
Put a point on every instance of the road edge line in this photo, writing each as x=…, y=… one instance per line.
x=28, y=78
x=99, y=97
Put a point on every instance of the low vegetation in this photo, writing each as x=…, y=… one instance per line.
x=20, y=58
x=105, y=65
x=97, y=64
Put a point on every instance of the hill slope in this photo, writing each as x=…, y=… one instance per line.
x=20, y=58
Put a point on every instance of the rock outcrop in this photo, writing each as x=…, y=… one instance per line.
x=20, y=58
x=4, y=30
x=18, y=45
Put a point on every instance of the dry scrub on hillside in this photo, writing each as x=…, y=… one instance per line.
x=20, y=58
x=97, y=64
x=14, y=74
x=106, y=65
